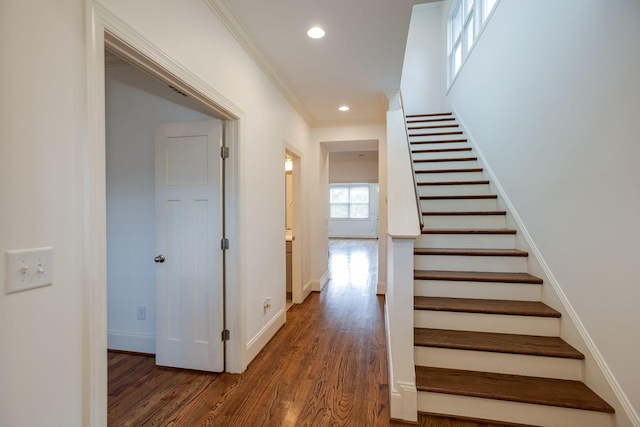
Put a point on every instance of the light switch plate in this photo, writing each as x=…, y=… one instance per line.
x=28, y=269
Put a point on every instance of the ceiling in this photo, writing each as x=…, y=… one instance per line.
x=360, y=57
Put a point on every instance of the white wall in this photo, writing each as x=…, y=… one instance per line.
x=550, y=94
x=423, y=73
x=135, y=104
x=42, y=130
x=353, y=171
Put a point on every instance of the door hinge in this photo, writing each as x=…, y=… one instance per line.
x=224, y=152
x=226, y=335
x=224, y=244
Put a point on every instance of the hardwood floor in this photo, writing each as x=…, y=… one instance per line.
x=326, y=367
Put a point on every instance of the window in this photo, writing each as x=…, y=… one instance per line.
x=465, y=24
x=349, y=201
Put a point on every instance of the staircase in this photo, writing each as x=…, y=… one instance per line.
x=485, y=347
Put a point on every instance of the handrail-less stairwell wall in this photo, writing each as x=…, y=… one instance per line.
x=403, y=228
x=554, y=111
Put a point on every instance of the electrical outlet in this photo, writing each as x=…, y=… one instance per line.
x=142, y=312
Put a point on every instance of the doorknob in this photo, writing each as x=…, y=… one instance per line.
x=159, y=258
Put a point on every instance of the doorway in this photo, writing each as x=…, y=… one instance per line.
x=136, y=104
x=294, y=289
x=106, y=30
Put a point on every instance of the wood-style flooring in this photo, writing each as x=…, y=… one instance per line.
x=326, y=367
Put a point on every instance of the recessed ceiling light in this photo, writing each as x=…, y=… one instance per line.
x=344, y=108
x=316, y=33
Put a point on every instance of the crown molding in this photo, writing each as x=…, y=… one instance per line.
x=228, y=17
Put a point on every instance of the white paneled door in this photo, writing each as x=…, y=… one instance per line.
x=188, y=232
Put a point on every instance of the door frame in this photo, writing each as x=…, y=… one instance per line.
x=298, y=293
x=106, y=30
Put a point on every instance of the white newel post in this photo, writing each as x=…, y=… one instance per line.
x=403, y=229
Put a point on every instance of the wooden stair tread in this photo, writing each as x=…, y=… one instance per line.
x=513, y=388
x=477, y=182
x=451, y=170
x=496, y=343
x=459, y=159
x=485, y=306
x=468, y=231
x=470, y=252
x=455, y=125
x=455, y=132
x=441, y=150
x=428, y=115
x=440, y=141
x=476, y=276
x=460, y=197
x=463, y=213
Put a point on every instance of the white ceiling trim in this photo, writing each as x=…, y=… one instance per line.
x=228, y=17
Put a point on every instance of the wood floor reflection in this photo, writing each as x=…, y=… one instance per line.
x=326, y=367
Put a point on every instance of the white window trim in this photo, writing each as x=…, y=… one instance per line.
x=479, y=26
x=368, y=218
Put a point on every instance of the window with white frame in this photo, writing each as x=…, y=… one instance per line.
x=349, y=201
x=466, y=19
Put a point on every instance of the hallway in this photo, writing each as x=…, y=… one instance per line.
x=326, y=366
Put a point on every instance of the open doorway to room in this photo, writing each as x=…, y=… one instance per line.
x=164, y=198
x=152, y=108
x=354, y=197
x=293, y=235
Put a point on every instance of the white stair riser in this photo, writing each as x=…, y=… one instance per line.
x=501, y=264
x=478, y=241
x=459, y=205
x=448, y=176
x=437, y=118
x=453, y=190
x=513, y=412
x=438, y=146
x=464, y=221
x=441, y=154
x=444, y=165
x=480, y=322
x=479, y=290
x=501, y=363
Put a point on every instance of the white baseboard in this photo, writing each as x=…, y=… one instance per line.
x=623, y=400
x=306, y=289
x=258, y=342
x=318, y=285
x=126, y=341
x=381, y=288
x=324, y=280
